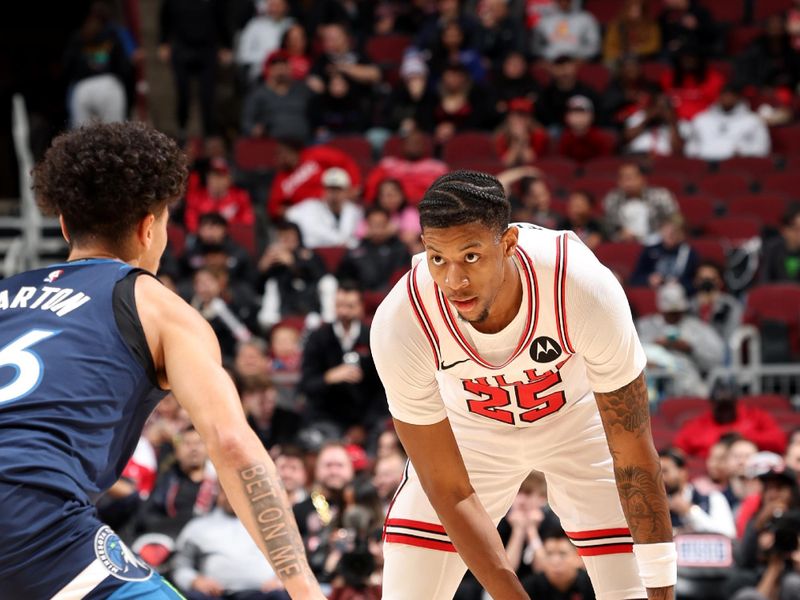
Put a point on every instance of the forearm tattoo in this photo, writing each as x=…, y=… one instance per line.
x=275, y=521
x=626, y=419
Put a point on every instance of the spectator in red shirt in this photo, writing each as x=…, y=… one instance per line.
x=725, y=415
x=299, y=174
x=415, y=170
x=582, y=140
x=218, y=196
x=691, y=85
x=520, y=140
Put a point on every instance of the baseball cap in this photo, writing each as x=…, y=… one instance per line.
x=336, y=177
x=357, y=456
x=413, y=65
x=671, y=297
x=780, y=473
x=523, y=105
x=763, y=463
x=580, y=103
x=276, y=57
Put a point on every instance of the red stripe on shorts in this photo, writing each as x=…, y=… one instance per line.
x=605, y=549
x=411, y=524
x=595, y=534
x=410, y=540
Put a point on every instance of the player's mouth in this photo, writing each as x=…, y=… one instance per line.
x=464, y=305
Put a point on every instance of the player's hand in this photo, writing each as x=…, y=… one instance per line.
x=344, y=374
x=207, y=586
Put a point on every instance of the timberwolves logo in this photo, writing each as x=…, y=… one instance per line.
x=53, y=276
x=117, y=558
x=545, y=349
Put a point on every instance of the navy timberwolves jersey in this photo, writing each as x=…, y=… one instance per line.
x=76, y=386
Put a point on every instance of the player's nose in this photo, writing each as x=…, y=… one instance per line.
x=455, y=278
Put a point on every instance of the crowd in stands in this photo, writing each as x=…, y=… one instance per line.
x=662, y=134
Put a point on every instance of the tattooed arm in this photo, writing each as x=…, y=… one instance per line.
x=187, y=359
x=626, y=419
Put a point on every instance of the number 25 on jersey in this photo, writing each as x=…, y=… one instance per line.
x=28, y=366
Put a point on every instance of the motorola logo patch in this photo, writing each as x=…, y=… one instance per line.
x=545, y=349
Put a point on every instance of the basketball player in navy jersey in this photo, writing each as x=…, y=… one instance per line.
x=87, y=349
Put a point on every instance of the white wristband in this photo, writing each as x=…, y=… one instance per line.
x=658, y=564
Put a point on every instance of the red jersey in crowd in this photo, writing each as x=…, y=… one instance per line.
x=305, y=180
x=697, y=435
x=415, y=176
x=235, y=206
x=693, y=96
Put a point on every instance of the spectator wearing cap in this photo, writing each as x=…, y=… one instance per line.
x=566, y=31
x=781, y=256
x=632, y=33
x=672, y=258
x=461, y=105
x=520, y=139
x=581, y=140
x=501, y=32
x=678, y=342
x=262, y=35
x=758, y=465
x=636, y=210
x=279, y=106
x=411, y=103
x=726, y=129
x=726, y=415
x=299, y=172
x=712, y=304
x=212, y=238
x=552, y=104
x=332, y=220
x=415, y=170
x=690, y=510
x=219, y=195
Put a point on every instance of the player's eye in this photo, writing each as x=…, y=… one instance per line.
x=437, y=260
x=471, y=258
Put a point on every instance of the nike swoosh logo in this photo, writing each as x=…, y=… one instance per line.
x=444, y=367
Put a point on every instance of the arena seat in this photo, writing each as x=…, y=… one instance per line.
x=604, y=166
x=469, y=145
x=766, y=8
x=682, y=407
x=479, y=163
x=735, y=229
x=725, y=11
x=653, y=70
x=595, y=75
x=697, y=211
x=723, y=185
x=642, y=300
x=768, y=208
x=356, y=146
x=176, y=235
x=597, y=186
x=387, y=49
x=394, y=145
x=782, y=183
x=604, y=11
x=244, y=235
x=740, y=38
x=619, y=256
x=777, y=302
x=672, y=181
x=785, y=139
x=255, y=154
x=558, y=168
x=755, y=167
x=332, y=256
x=710, y=249
x=768, y=402
x=690, y=168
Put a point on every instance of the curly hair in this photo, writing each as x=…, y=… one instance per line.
x=104, y=178
x=462, y=197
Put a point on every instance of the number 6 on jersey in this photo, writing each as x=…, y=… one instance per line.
x=26, y=362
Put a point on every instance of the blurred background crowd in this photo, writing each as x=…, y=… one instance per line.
x=663, y=133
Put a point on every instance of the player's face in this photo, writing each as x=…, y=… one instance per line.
x=468, y=263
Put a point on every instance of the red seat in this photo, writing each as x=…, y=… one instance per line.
x=469, y=145
x=604, y=11
x=177, y=239
x=740, y=38
x=723, y=67
x=387, y=49
x=697, y=211
x=255, y=154
x=332, y=256
x=786, y=139
x=680, y=408
x=776, y=302
x=726, y=11
x=674, y=183
x=557, y=169
x=642, y=300
x=711, y=249
x=604, y=166
x=723, y=185
x=766, y=8
x=595, y=75
x=768, y=402
x=619, y=256
x=541, y=73
x=597, y=186
x=696, y=465
x=356, y=146
x=478, y=163
x=789, y=422
x=394, y=145
x=734, y=229
x=663, y=438
x=782, y=183
x=690, y=168
x=244, y=235
x=768, y=208
x=653, y=71
x=754, y=167
x=372, y=300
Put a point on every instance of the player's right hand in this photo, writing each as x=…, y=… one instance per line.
x=207, y=586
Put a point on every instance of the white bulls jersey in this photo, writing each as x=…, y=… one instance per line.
x=573, y=334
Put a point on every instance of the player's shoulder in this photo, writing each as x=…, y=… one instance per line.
x=160, y=308
x=395, y=317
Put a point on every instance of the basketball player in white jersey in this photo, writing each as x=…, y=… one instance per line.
x=506, y=349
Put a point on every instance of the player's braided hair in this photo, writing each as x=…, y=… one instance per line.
x=462, y=197
x=103, y=178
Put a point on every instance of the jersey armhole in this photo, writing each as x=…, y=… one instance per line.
x=130, y=326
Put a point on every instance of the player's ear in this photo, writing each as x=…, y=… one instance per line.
x=144, y=230
x=64, y=232
x=509, y=240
